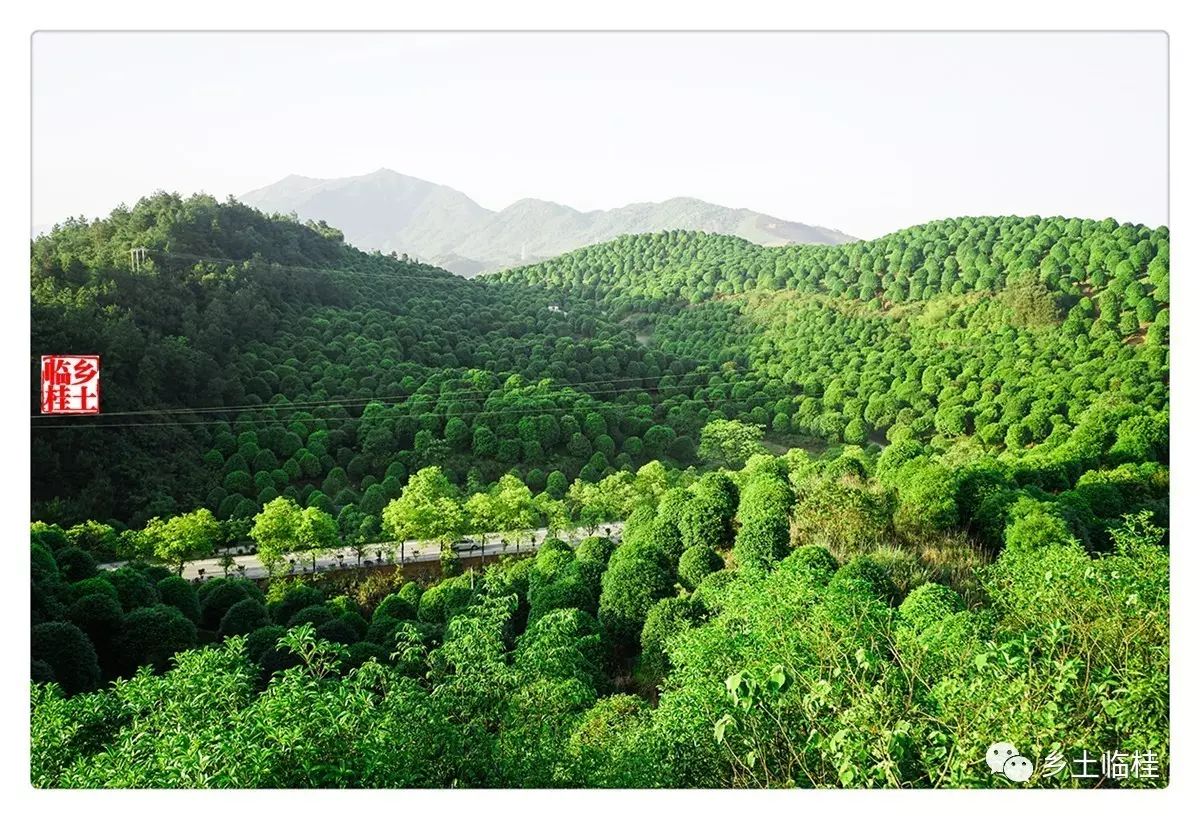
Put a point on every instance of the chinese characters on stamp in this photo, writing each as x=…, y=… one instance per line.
x=70, y=385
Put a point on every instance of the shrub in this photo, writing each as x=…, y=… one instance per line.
x=217, y=596
x=440, y=603
x=312, y=615
x=133, y=589
x=868, y=571
x=75, y=563
x=568, y=589
x=243, y=617
x=603, y=751
x=261, y=640
x=49, y=535
x=397, y=607
x=552, y=559
x=154, y=573
x=761, y=542
x=276, y=659
x=594, y=551
x=382, y=630
x=177, y=592
x=68, y=653
x=94, y=585
x=153, y=635
x=355, y=621
x=705, y=520
x=41, y=672
x=629, y=587
x=815, y=563
x=42, y=567
x=929, y=604
x=99, y=616
x=338, y=631
x=697, y=563
x=711, y=591
x=297, y=596
x=358, y=653
x=666, y=618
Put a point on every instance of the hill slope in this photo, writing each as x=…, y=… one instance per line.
x=389, y=211
x=967, y=331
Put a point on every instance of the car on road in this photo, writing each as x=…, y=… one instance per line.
x=466, y=544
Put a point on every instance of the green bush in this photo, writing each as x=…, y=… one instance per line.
x=594, y=551
x=868, y=571
x=243, y=617
x=338, y=631
x=68, y=653
x=666, y=619
x=355, y=621
x=359, y=653
x=218, y=596
x=262, y=639
x=133, y=589
x=629, y=587
x=697, y=563
x=929, y=604
x=761, y=542
x=313, y=615
x=297, y=596
x=94, y=585
x=442, y=602
x=710, y=592
x=42, y=567
x=397, y=607
x=75, y=563
x=99, y=616
x=152, y=635
x=815, y=563
x=382, y=630
x=177, y=592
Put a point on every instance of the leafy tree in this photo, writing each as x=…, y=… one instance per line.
x=730, y=443
x=183, y=537
x=276, y=532
x=316, y=533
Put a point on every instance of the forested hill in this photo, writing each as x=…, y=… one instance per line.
x=1039, y=338
x=872, y=497
x=1122, y=268
x=1040, y=342
x=375, y=366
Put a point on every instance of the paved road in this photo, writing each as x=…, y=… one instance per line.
x=414, y=552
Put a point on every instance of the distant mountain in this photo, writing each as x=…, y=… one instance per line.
x=388, y=211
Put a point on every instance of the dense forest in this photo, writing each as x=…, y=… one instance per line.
x=885, y=503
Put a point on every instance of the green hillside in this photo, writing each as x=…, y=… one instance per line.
x=885, y=504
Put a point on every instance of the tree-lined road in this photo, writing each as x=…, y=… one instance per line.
x=248, y=565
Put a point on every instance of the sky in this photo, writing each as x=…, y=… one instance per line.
x=865, y=133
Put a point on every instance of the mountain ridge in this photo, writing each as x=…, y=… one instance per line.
x=392, y=212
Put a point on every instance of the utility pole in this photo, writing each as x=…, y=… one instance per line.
x=137, y=255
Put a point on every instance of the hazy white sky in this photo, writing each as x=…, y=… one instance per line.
x=866, y=133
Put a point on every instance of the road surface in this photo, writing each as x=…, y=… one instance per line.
x=248, y=565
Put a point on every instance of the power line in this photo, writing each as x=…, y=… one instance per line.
x=395, y=278
x=464, y=394
x=79, y=423
x=139, y=257
x=338, y=402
